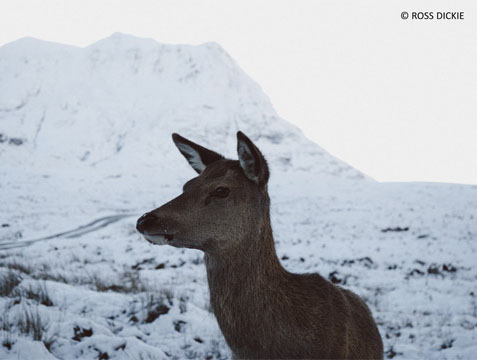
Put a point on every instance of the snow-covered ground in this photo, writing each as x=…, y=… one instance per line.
x=85, y=149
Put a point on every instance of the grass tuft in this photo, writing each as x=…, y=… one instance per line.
x=131, y=282
x=8, y=282
x=31, y=323
x=155, y=306
x=38, y=294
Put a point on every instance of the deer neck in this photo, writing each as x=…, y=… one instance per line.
x=241, y=285
x=254, y=258
x=245, y=276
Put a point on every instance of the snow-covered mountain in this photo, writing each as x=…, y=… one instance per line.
x=119, y=100
x=85, y=149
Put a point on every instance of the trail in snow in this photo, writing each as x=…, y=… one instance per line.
x=75, y=233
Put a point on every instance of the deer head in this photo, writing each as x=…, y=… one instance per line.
x=218, y=208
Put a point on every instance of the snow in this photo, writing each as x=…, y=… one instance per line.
x=85, y=135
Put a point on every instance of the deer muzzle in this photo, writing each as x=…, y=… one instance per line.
x=154, y=230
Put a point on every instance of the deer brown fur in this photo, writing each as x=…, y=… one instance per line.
x=263, y=310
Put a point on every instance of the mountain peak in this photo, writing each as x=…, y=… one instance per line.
x=124, y=40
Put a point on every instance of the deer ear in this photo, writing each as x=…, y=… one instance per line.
x=197, y=156
x=252, y=161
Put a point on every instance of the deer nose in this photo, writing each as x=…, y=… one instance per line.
x=144, y=221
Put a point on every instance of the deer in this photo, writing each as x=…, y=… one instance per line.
x=263, y=310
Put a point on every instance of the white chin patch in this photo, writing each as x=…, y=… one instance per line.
x=156, y=239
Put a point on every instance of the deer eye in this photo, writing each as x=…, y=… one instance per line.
x=221, y=192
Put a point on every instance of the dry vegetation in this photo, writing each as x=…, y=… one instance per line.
x=26, y=289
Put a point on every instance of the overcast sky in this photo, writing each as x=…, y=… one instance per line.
x=395, y=98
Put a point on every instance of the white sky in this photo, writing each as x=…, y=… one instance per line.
x=395, y=98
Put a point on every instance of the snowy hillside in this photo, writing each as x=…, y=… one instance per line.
x=105, y=114
x=85, y=148
x=124, y=96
